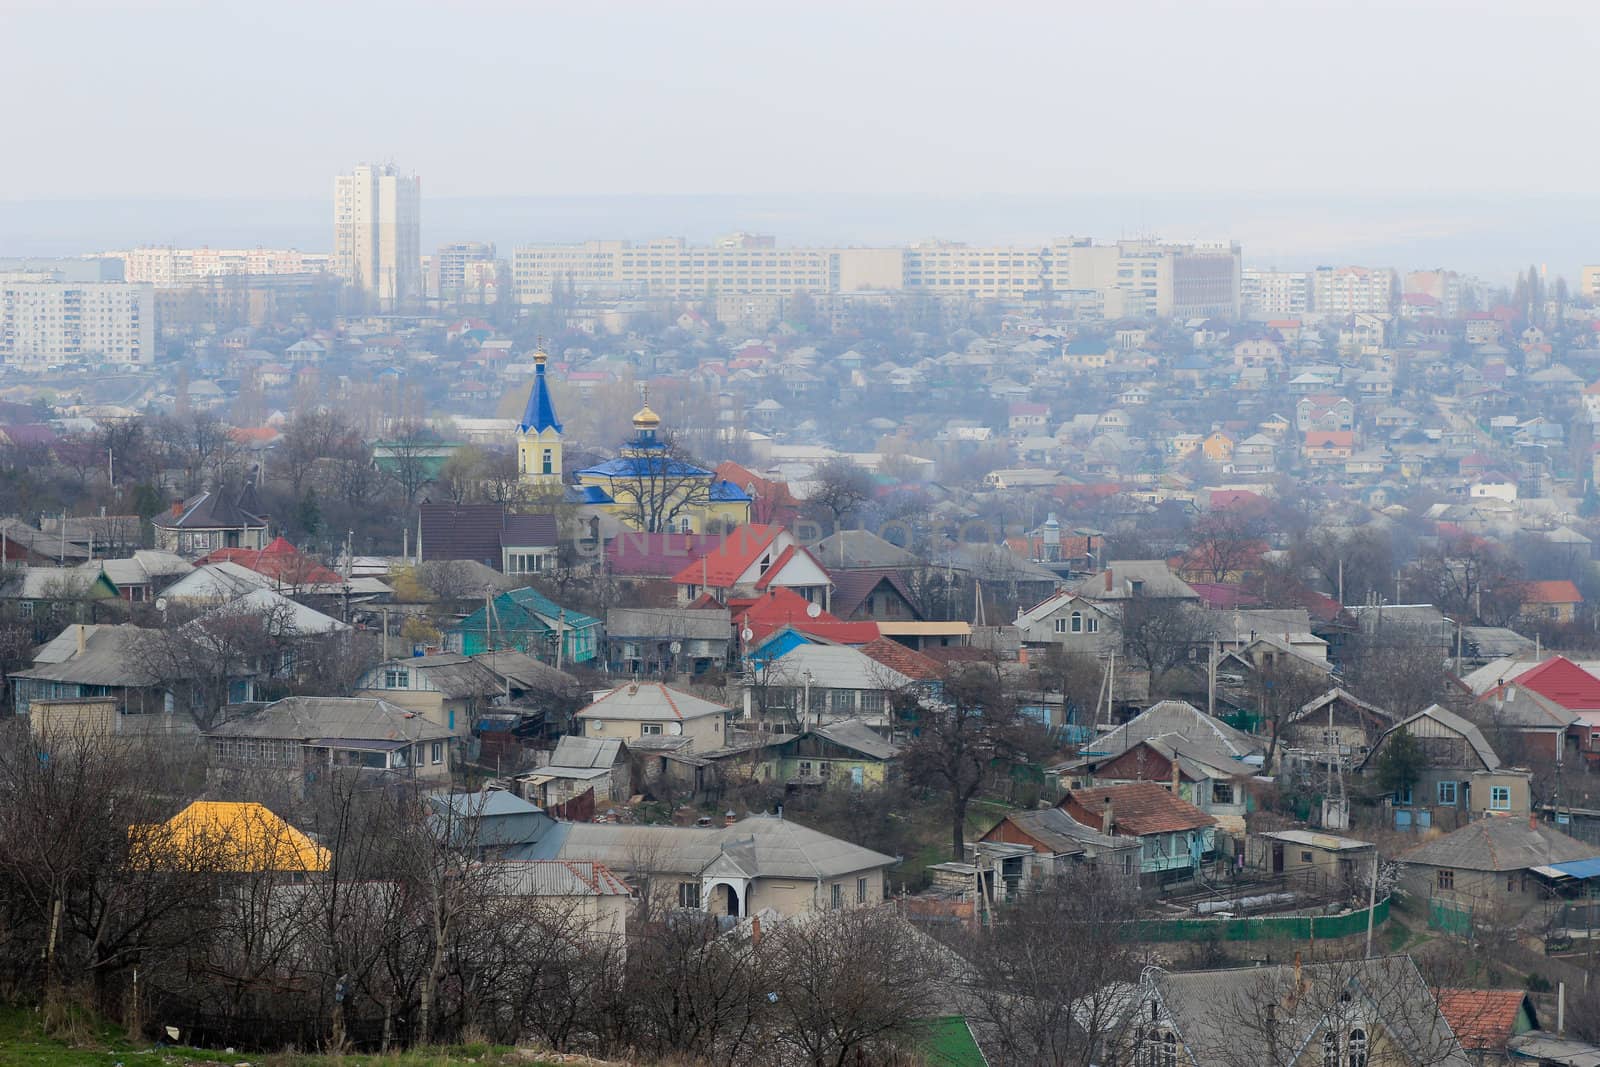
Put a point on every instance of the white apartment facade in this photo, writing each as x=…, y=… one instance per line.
x=45, y=321
x=1275, y=294
x=377, y=233
x=1353, y=290
x=178, y=267
x=466, y=272
x=1130, y=278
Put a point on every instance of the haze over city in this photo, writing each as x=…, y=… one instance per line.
x=715, y=535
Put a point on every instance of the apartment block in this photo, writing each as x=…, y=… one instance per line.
x=1275, y=294
x=196, y=266
x=464, y=273
x=1353, y=290
x=377, y=233
x=46, y=321
x=1130, y=278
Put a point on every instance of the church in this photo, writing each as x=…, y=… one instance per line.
x=648, y=487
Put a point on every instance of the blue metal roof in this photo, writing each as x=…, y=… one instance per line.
x=541, y=411
x=656, y=466
x=724, y=490
x=1589, y=868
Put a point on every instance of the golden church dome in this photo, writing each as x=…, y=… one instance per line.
x=645, y=419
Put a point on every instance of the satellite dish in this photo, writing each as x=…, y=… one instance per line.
x=675, y=647
x=813, y=610
x=746, y=634
x=161, y=603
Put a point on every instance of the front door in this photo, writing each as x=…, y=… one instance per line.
x=1277, y=857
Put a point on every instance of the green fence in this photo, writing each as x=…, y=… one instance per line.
x=1266, y=928
x=1449, y=917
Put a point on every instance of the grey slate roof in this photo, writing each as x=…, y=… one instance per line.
x=556, y=878
x=1064, y=835
x=695, y=624
x=585, y=752
x=1452, y=721
x=452, y=674
x=342, y=718
x=111, y=656
x=1176, y=717
x=524, y=671
x=1500, y=844
x=1212, y=1011
x=858, y=736
x=650, y=701
x=763, y=846
x=861, y=548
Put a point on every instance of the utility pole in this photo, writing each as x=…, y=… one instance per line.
x=1372, y=901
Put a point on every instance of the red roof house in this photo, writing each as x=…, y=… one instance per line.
x=753, y=559
x=280, y=561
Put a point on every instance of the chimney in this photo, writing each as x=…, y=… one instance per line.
x=1175, y=774
x=1108, y=820
x=83, y=638
x=177, y=508
x=1108, y=579
x=729, y=818
x=755, y=929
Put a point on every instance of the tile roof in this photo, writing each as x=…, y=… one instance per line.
x=280, y=561
x=228, y=836
x=723, y=565
x=1482, y=1018
x=909, y=662
x=1556, y=592
x=1138, y=808
x=777, y=608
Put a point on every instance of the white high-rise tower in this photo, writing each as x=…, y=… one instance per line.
x=377, y=233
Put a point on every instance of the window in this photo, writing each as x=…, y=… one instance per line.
x=649, y=729
x=1357, y=1048
x=396, y=678
x=836, y=897
x=1500, y=798
x=1403, y=795
x=1447, y=793
x=1169, y=1049
x=1061, y=625
x=1091, y=625
x=1077, y=622
x=1330, y=1050
x=872, y=701
x=1446, y=879
x=436, y=752
x=549, y=461
x=1222, y=792
x=861, y=890
x=688, y=894
x=1305, y=857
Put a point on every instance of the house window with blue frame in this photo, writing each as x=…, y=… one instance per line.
x=1447, y=793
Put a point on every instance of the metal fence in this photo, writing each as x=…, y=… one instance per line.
x=1264, y=928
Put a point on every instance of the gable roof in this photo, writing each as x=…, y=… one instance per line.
x=1500, y=844
x=1205, y=1007
x=1484, y=1018
x=280, y=561
x=1562, y=591
x=722, y=566
x=1451, y=721
x=112, y=656
x=1559, y=680
x=858, y=737
x=777, y=608
x=1177, y=717
x=852, y=587
x=1138, y=808
x=702, y=624
x=212, y=510
x=585, y=752
x=1059, y=832
x=861, y=548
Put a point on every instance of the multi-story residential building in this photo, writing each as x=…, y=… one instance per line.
x=46, y=321
x=377, y=215
x=176, y=267
x=1130, y=278
x=1445, y=286
x=1275, y=294
x=1351, y=290
x=466, y=272
x=1589, y=282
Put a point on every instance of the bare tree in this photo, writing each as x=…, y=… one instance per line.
x=1159, y=634
x=839, y=489
x=1047, y=978
x=409, y=453
x=961, y=738
x=658, y=485
x=200, y=661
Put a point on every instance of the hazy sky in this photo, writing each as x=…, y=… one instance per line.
x=221, y=98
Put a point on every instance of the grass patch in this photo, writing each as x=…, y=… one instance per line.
x=24, y=1043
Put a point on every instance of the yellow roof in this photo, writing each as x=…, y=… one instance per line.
x=926, y=629
x=223, y=836
x=645, y=417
